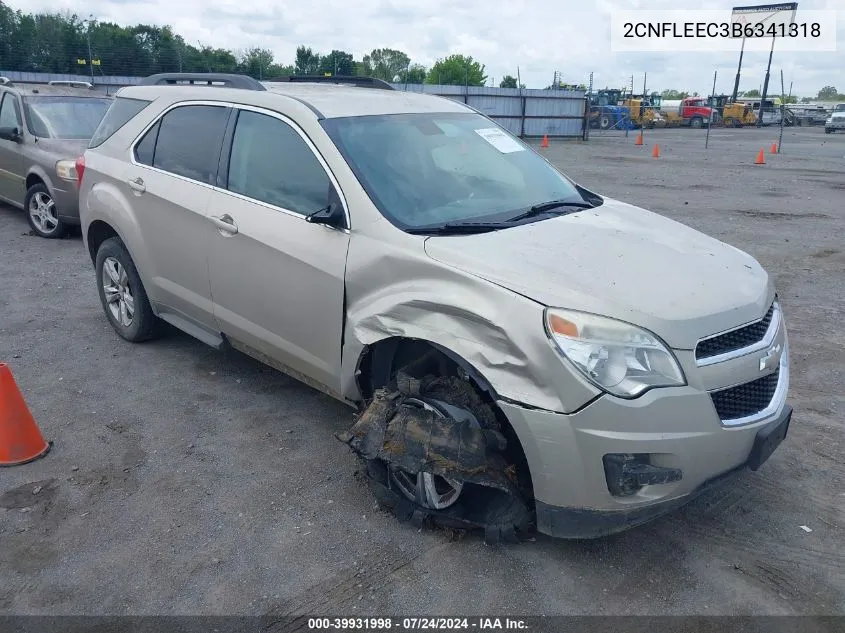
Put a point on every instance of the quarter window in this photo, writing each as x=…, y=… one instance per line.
x=145, y=149
x=8, y=112
x=186, y=142
x=271, y=162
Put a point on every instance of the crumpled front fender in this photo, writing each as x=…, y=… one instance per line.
x=401, y=292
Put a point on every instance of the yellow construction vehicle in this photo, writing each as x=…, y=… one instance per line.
x=643, y=112
x=732, y=114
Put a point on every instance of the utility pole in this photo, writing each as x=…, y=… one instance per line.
x=90, y=58
x=766, y=84
x=712, y=110
x=738, y=69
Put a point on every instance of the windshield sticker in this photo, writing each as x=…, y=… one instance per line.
x=501, y=141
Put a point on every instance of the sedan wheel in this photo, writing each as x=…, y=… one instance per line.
x=42, y=213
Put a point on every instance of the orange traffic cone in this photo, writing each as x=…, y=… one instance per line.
x=639, y=139
x=774, y=149
x=545, y=142
x=20, y=439
x=761, y=158
x=655, y=153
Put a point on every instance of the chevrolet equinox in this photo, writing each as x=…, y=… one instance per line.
x=522, y=351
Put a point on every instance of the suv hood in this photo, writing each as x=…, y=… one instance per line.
x=623, y=262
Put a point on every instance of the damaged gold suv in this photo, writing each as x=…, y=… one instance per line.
x=523, y=351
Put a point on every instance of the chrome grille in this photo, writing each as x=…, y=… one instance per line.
x=734, y=340
x=746, y=399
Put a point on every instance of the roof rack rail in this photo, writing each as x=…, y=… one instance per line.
x=360, y=82
x=227, y=80
x=70, y=83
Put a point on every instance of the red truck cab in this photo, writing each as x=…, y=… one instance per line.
x=696, y=113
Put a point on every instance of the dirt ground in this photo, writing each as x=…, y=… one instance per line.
x=188, y=481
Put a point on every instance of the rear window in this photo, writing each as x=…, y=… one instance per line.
x=119, y=114
x=64, y=117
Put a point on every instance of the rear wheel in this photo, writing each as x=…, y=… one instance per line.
x=604, y=122
x=122, y=294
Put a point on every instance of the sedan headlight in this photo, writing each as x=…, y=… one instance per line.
x=66, y=170
x=617, y=357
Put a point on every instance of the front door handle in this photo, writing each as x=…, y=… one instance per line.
x=225, y=223
x=137, y=185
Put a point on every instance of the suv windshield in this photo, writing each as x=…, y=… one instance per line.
x=64, y=117
x=428, y=169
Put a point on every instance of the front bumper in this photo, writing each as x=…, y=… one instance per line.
x=676, y=428
x=583, y=523
x=66, y=197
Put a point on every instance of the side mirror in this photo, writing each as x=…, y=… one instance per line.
x=332, y=215
x=10, y=134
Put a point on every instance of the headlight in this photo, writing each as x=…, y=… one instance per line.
x=617, y=357
x=66, y=170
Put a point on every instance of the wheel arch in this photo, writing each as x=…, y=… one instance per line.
x=98, y=232
x=37, y=175
x=378, y=361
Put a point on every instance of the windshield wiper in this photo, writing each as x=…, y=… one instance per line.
x=456, y=228
x=543, y=207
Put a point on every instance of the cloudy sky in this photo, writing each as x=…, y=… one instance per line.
x=538, y=36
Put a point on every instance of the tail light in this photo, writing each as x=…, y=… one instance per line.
x=80, y=170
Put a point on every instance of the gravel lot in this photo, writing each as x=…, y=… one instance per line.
x=188, y=481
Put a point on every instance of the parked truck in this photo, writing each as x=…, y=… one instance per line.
x=692, y=111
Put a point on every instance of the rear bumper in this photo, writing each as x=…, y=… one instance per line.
x=585, y=523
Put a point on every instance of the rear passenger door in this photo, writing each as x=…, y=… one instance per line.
x=12, y=181
x=277, y=280
x=174, y=167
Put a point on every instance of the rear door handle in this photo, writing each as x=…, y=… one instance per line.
x=225, y=223
x=137, y=185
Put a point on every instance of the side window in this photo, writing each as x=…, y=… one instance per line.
x=145, y=148
x=271, y=162
x=8, y=112
x=189, y=139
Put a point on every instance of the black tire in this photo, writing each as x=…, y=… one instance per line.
x=503, y=517
x=828, y=131
x=697, y=123
x=38, y=193
x=144, y=324
x=605, y=122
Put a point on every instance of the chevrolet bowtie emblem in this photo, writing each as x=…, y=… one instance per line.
x=771, y=358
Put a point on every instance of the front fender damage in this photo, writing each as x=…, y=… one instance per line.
x=391, y=434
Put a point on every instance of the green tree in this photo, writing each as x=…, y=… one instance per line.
x=673, y=95
x=752, y=94
x=415, y=74
x=256, y=62
x=828, y=93
x=307, y=61
x=279, y=70
x=457, y=70
x=385, y=63
x=508, y=81
x=338, y=63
